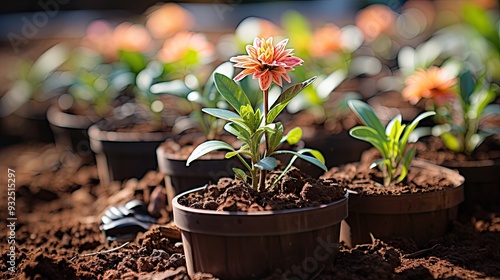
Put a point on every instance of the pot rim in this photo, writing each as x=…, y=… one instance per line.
x=412, y=202
x=61, y=119
x=238, y=223
x=97, y=134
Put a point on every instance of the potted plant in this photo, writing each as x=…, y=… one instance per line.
x=463, y=101
x=35, y=88
x=125, y=144
x=190, y=131
x=90, y=98
x=263, y=220
x=403, y=198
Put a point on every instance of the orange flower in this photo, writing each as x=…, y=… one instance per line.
x=168, y=19
x=325, y=41
x=433, y=83
x=374, y=20
x=176, y=48
x=131, y=37
x=266, y=62
x=105, y=39
x=99, y=33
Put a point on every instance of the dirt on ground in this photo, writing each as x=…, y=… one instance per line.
x=59, y=204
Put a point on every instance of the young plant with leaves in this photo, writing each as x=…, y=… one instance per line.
x=93, y=89
x=35, y=80
x=167, y=72
x=460, y=102
x=269, y=64
x=390, y=141
x=196, y=97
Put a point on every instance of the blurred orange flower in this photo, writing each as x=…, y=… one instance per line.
x=168, y=19
x=266, y=62
x=433, y=83
x=131, y=37
x=98, y=37
x=177, y=47
x=326, y=41
x=106, y=40
x=375, y=20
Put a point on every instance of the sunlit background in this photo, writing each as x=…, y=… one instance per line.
x=96, y=54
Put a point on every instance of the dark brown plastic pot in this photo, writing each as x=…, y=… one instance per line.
x=241, y=245
x=482, y=185
x=30, y=122
x=124, y=155
x=420, y=216
x=70, y=132
x=180, y=178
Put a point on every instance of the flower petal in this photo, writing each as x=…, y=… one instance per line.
x=280, y=47
x=265, y=81
x=244, y=73
x=277, y=78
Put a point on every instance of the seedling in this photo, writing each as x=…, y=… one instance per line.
x=390, y=141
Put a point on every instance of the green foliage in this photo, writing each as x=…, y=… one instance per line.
x=198, y=97
x=94, y=87
x=391, y=141
x=475, y=96
x=251, y=127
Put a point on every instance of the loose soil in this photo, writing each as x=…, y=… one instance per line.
x=433, y=149
x=181, y=147
x=59, y=205
x=361, y=178
x=293, y=190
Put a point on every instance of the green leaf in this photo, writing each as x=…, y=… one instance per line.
x=230, y=154
x=221, y=113
x=267, y=163
x=482, y=22
x=285, y=98
x=466, y=85
x=134, y=60
x=315, y=153
x=368, y=134
x=481, y=100
x=393, y=126
x=408, y=158
x=275, y=135
x=293, y=136
x=231, y=92
x=209, y=90
x=377, y=163
x=237, y=130
x=366, y=114
x=409, y=129
x=451, y=142
x=311, y=159
x=240, y=174
x=207, y=147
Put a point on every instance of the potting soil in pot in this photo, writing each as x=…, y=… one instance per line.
x=58, y=210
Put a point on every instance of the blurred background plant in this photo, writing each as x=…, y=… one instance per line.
x=196, y=96
x=461, y=100
x=37, y=80
x=135, y=57
x=474, y=37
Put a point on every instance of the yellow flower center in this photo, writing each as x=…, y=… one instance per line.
x=266, y=51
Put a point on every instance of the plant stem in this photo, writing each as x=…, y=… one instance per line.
x=262, y=181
